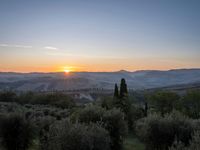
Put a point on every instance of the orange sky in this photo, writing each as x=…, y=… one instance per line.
x=92, y=64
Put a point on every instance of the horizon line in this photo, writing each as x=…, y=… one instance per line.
x=122, y=70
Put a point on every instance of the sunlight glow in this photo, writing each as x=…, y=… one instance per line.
x=67, y=71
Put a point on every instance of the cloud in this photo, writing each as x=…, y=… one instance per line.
x=58, y=53
x=3, y=45
x=26, y=46
x=22, y=46
x=50, y=48
x=15, y=46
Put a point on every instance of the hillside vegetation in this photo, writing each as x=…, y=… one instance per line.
x=154, y=120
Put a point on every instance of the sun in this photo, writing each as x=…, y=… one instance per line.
x=67, y=71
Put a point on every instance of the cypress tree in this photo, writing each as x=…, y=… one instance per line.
x=123, y=88
x=145, y=109
x=116, y=92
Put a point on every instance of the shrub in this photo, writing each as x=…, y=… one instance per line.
x=194, y=144
x=112, y=120
x=16, y=133
x=107, y=102
x=164, y=102
x=135, y=114
x=8, y=96
x=65, y=135
x=91, y=113
x=44, y=127
x=191, y=104
x=54, y=99
x=142, y=126
x=159, y=133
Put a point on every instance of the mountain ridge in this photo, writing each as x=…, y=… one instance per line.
x=122, y=70
x=145, y=79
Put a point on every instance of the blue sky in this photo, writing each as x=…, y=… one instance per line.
x=99, y=35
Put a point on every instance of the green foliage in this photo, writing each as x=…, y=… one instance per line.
x=26, y=98
x=135, y=114
x=65, y=135
x=158, y=133
x=95, y=128
x=8, y=96
x=16, y=133
x=112, y=120
x=191, y=104
x=44, y=128
x=131, y=112
x=54, y=99
x=123, y=104
x=108, y=102
x=123, y=89
x=164, y=102
x=91, y=114
x=116, y=92
x=194, y=144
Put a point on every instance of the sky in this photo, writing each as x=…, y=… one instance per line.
x=99, y=35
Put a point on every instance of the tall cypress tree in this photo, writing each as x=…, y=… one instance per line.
x=123, y=88
x=116, y=92
x=145, y=109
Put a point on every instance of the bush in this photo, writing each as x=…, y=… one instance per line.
x=107, y=102
x=65, y=135
x=125, y=105
x=55, y=99
x=191, y=104
x=44, y=127
x=8, y=96
x=194, y=144
x=160, y=133
x=90, y=114
x=16, y=133
x=112, y=120
x=135, y=114
x=164, y=102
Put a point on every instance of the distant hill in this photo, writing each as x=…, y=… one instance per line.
x=145, y=79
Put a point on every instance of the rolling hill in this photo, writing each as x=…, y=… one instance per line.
x=146, y=79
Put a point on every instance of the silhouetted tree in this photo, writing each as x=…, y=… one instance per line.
x=116, y=92
x=122, y=101
x=145, y=109
x=123, y=88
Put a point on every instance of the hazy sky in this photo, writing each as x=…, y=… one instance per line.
x=99, y=35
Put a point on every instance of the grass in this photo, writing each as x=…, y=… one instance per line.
x=35, y=145
x=133, y=143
